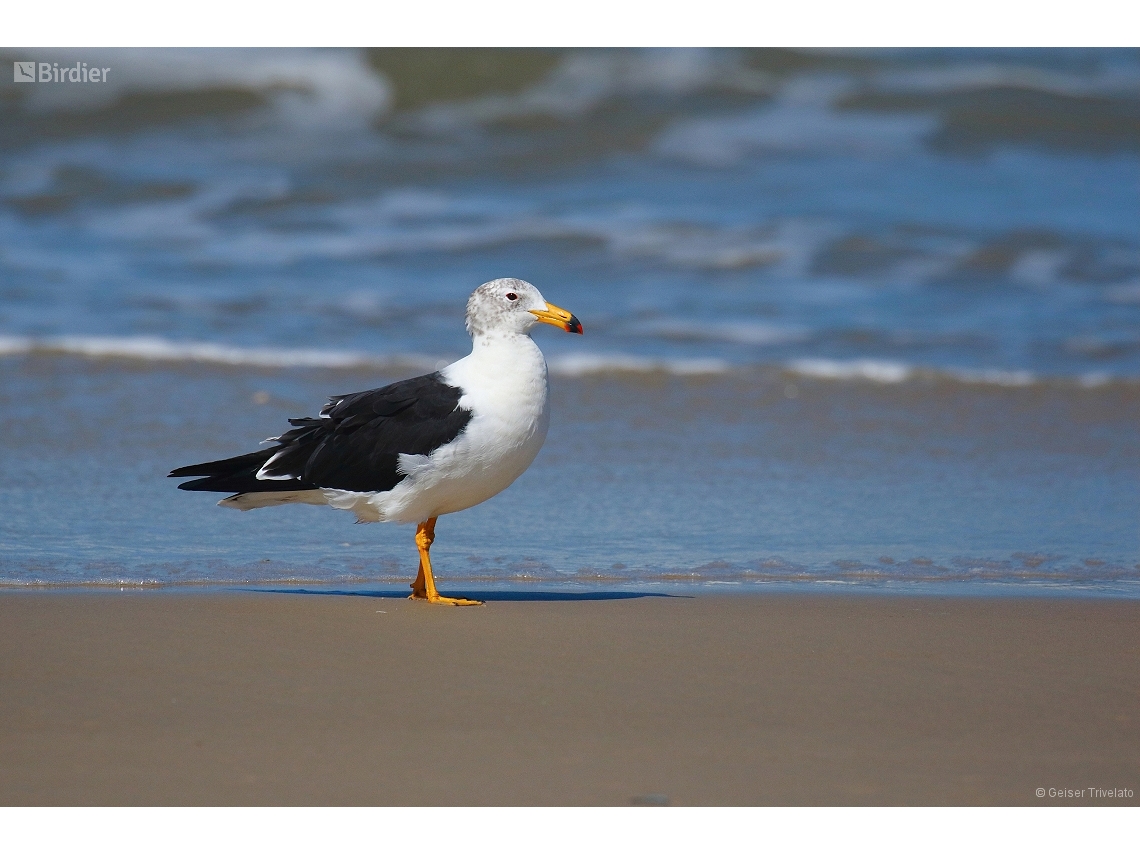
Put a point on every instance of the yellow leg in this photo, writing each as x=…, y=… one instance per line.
x=424, y=586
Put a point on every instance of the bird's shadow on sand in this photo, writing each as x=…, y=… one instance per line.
x=485, y=596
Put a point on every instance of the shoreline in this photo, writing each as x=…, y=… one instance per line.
x=512, y=591
x=243, y=698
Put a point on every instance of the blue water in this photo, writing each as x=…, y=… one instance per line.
x=862, y=320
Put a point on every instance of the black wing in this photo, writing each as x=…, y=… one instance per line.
x=354, y=445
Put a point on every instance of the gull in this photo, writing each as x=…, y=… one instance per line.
x=419, y=448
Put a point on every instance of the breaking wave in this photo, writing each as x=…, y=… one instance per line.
x=160, y=350
x=149, y=349
x=883, y=371
x=153, y=349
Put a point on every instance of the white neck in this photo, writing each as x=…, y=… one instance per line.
x=507, y=348
x=502, y=367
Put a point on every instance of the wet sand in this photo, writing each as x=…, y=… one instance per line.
x=269, y=698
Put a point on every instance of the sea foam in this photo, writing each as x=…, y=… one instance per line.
x=155, y=349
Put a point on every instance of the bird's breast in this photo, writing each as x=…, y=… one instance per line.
x=505, y=389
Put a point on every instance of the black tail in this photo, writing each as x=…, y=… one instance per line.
x=234, y=475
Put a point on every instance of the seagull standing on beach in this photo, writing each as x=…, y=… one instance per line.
x=419, y=448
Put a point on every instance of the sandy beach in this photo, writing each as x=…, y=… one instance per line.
x=291, y=699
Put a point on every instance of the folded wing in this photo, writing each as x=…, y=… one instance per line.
x=354, y=445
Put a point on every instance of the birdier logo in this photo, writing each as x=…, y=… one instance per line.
x=50, y=72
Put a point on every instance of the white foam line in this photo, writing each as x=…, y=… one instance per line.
x=153, y=349
x=759, y=334
x=161, y=350
x=1094, y=379
x=11, y=345
x=579, y=365
x=858, y=369
x=992, y=376
x=880, y=371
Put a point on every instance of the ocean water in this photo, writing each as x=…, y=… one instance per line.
x=859, y=320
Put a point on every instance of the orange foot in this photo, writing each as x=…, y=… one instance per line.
x=424, y=586
x=444, y=601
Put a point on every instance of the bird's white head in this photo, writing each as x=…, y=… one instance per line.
x=513, y=307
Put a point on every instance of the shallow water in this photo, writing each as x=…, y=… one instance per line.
x=860, y=319
x=754, y=477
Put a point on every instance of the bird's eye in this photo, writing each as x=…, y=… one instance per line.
x=511, y=295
